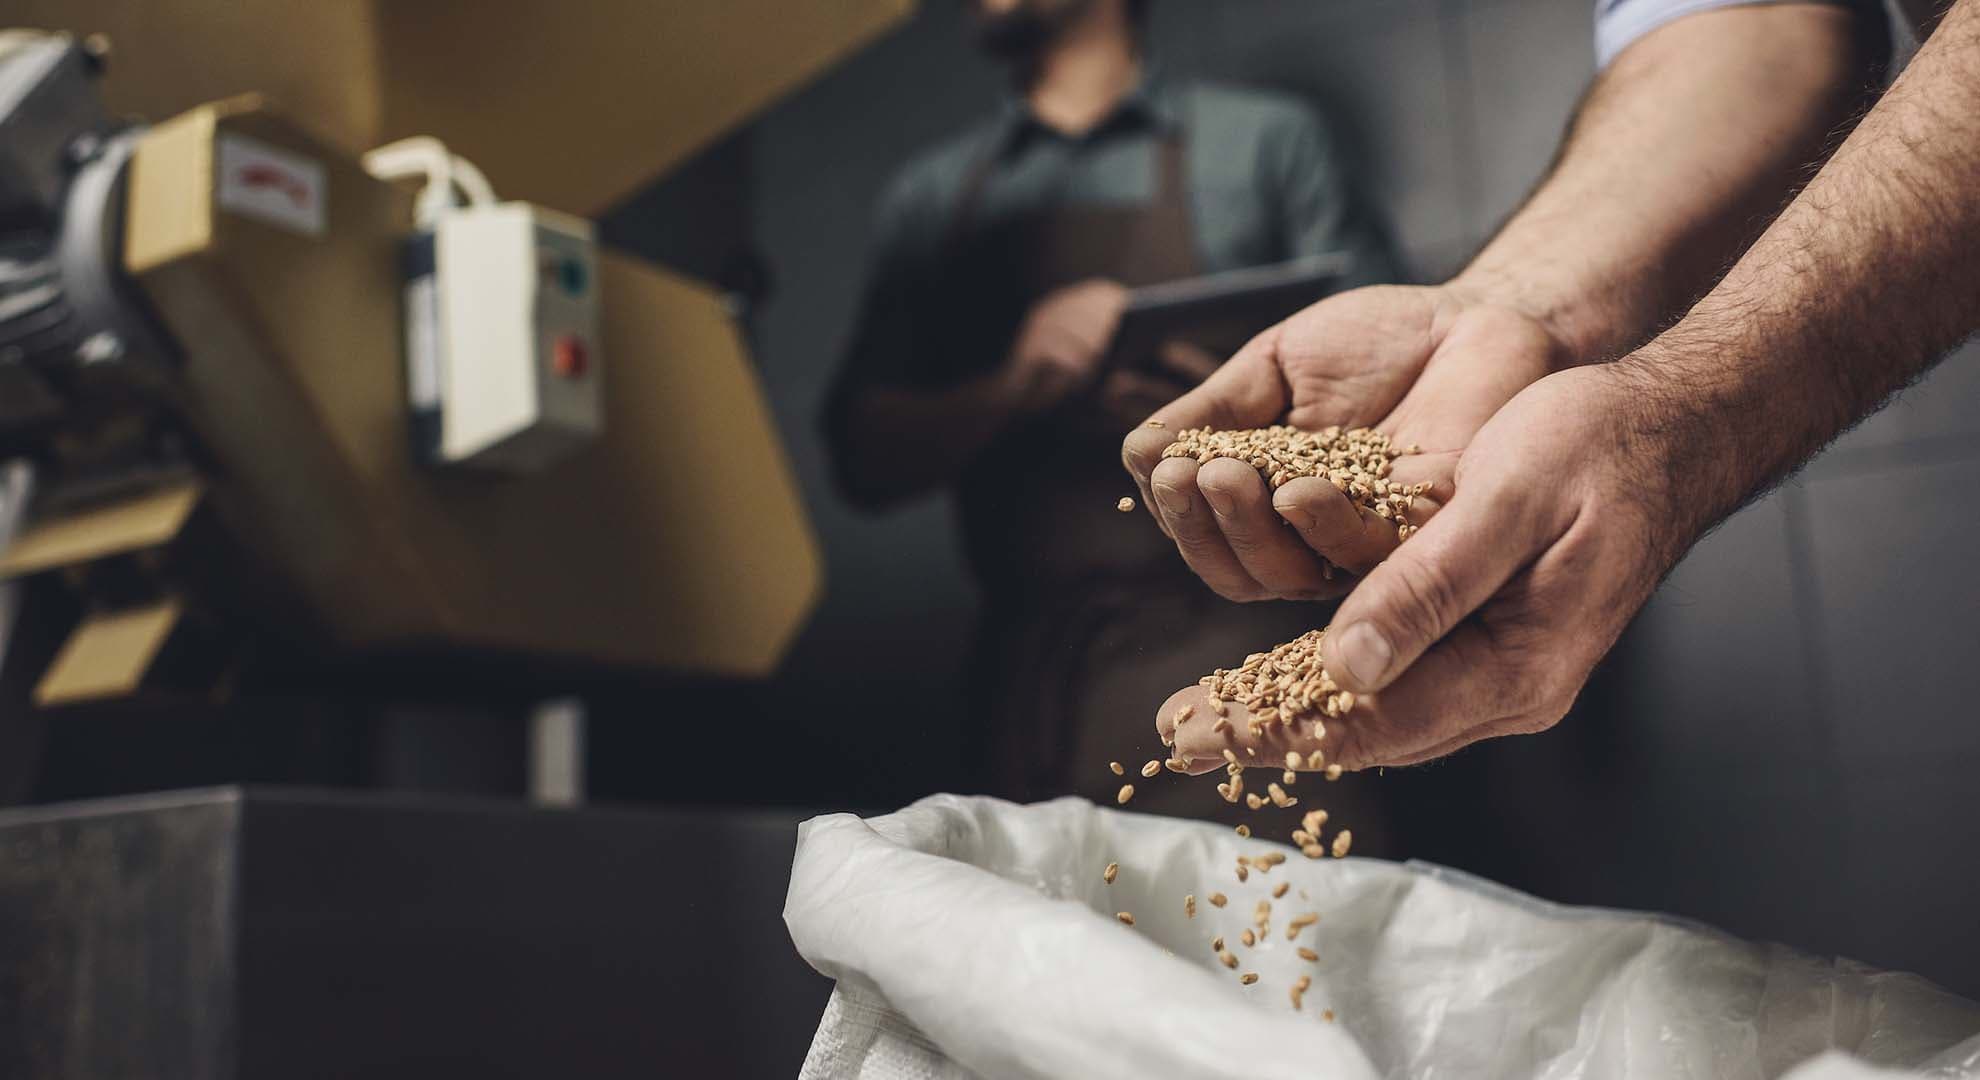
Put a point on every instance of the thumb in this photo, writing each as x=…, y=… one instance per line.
x=1421, y=592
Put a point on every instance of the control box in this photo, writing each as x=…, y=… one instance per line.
x=502, y=362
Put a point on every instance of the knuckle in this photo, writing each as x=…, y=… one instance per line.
x=1425, y=603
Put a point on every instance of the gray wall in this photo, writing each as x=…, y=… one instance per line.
x=1785, y=744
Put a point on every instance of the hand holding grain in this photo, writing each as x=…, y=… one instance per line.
x=1423, y=366
x=1569, y=511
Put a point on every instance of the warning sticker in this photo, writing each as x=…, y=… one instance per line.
x=272, y=185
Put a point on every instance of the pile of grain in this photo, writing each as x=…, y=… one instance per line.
x=1357, y=461
x=1280, y=687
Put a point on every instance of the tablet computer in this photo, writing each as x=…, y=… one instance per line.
x=1220, y=312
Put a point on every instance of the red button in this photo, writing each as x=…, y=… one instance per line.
x=567, y=357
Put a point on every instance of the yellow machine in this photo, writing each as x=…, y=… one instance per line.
x=209, y=382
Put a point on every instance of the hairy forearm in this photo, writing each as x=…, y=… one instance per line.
x=1678, y=154
x=896, y=443
x=1863, y=282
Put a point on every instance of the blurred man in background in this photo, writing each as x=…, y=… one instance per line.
x=1003, y=262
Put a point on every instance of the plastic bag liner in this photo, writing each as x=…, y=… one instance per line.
x=975, y=938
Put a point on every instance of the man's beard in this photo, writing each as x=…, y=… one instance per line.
x=1020, y=34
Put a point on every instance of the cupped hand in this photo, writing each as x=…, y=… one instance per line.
x=1424, y=365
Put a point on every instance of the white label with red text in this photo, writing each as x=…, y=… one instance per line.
x=272, y=185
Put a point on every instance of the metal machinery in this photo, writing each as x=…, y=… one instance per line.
x=238, y=372
x=251, y=392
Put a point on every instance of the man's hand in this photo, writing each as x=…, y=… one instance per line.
x=1569, y=510
x=1488, y=621
x=1064, y=337
x=1424, y=365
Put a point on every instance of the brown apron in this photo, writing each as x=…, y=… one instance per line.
x=1090, y=616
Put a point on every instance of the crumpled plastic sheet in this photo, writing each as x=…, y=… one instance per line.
x=974, y=938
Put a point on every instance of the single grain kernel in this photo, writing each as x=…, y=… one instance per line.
x=1217, y=899
x=1155, y=424
x=1243, y=874
x=1125, y=918
x=1229, y=959
x=1313, y=851
x=1248, y=978
x=1317, y=760
x=1116, y=767
x=1113, y=870
x=1217, y=943
x=1126, y=504
x=1248, y=938
x=1279, y=890
x=1176, y=765
x=1244, y=831
x=1185, y=713
x=1126, y=793
x=1341, y=841
x=1189, y=906
x=1222, y=727
x=1231, y=758
x=1292, y=760
x=1252, y=800
x=1334, y=771
x=1307, y=954
x=1289, y=777
x=1154, y=766
x=1328, y=1016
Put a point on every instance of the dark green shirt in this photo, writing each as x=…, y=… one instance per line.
x=1265, y=185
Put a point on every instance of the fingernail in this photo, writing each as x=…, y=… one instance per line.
x=1220, y=501
x=1364, y=653
x=1295, y=516
x=1174, y=502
